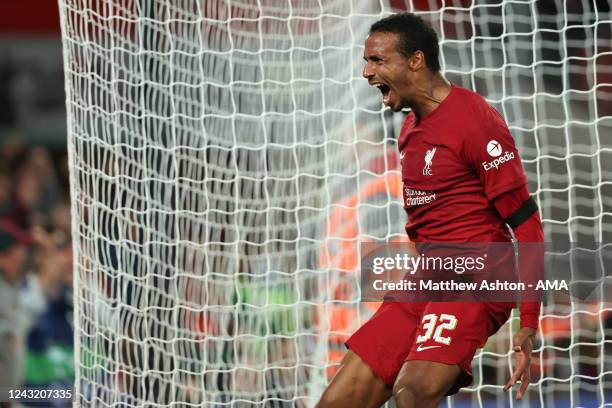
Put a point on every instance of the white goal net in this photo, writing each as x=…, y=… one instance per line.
x=227, y=157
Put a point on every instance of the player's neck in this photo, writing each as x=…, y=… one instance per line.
x=430, y=94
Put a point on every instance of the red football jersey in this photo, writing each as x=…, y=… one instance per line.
x=454, y=163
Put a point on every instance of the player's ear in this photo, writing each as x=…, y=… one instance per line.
x=416, y=61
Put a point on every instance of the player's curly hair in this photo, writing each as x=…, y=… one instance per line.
x=415, y=35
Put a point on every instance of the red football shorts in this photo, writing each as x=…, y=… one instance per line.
x=444, y=332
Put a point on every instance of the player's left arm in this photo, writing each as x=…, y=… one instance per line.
x=519, y=210
x=491, y=152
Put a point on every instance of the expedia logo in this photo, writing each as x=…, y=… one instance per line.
x=500, y=160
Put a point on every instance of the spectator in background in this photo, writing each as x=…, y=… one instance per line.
x=36, y=189
x=36, y=333
x=13, y=319
x=48, y=298
x=30, y=188
x=12, y=157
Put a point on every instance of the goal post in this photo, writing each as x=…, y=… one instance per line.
x=227, y=157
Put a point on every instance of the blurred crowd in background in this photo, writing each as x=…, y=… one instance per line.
x=36, y=327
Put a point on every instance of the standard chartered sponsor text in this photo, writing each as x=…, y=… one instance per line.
x=418, y=197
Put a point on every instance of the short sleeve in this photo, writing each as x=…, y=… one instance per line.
x=491, y=153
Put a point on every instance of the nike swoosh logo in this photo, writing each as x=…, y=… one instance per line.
x=421, y=348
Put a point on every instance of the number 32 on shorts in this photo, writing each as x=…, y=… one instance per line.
x=435, y=325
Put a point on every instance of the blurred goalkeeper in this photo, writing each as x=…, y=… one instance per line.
x=463, y=182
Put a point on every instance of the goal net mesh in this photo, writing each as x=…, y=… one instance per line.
x=227, y=158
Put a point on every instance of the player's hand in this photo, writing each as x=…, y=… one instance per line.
x=523, y=346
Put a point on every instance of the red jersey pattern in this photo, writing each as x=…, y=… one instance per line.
x=454, y=163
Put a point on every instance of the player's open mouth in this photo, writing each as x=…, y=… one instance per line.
x=384, y=90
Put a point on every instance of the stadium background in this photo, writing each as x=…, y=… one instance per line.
x=574, y=103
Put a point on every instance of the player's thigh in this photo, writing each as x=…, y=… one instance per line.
x=354, y=385
x=385, y=340
x=425, y=380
